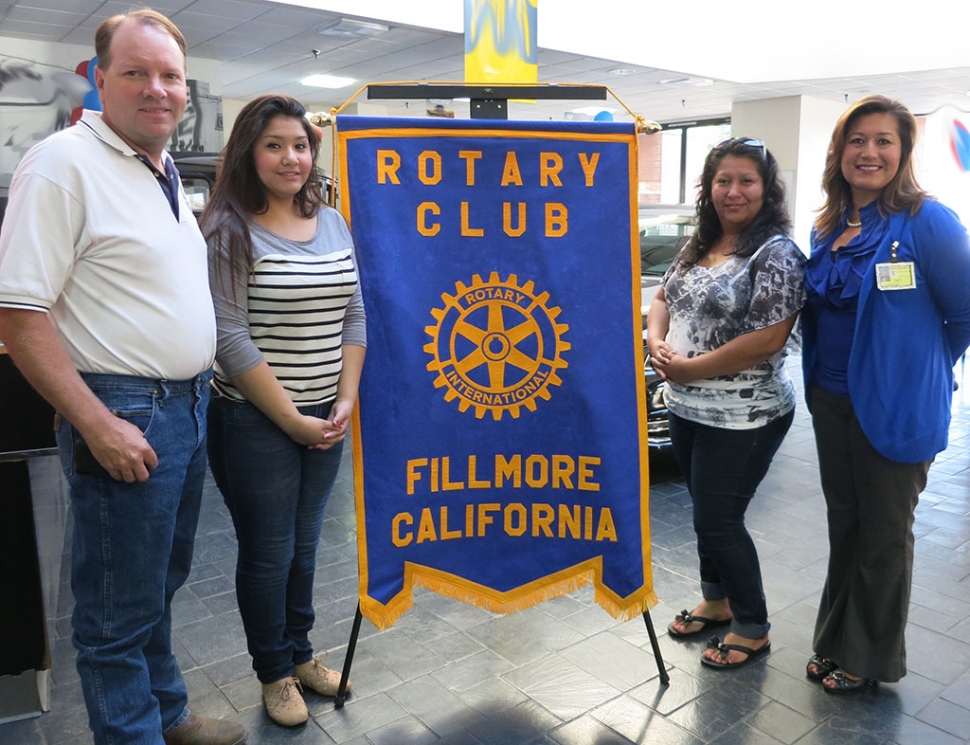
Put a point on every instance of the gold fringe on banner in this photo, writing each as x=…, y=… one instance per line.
x=551, y=586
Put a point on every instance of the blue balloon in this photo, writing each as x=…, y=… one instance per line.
x=92, y=100
x=93, y=63
x=603, y=116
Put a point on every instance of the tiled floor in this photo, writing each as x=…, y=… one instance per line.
x=564, y=672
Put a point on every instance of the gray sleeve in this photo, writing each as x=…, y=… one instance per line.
x=235, y=351
x=355, y=321
x=334, y=233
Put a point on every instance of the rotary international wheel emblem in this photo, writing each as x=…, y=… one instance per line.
x=496, y=346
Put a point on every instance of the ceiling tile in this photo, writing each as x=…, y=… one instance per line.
x=32, y=30
x=57, y=18
x=238, y=9
x=71, y=6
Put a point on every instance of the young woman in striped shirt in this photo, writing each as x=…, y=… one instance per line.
x=291, y=343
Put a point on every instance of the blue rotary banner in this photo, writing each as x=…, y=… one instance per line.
x=499, y=442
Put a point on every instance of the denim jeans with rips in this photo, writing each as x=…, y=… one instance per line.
x=276, y=491
x=132, y=549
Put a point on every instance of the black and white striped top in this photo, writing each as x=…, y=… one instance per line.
x=298, y=306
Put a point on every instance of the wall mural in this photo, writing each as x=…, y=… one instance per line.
x=200, y=130
x=943, y=161
x=35, y=100
x=38, y=99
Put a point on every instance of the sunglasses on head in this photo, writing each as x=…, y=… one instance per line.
x=746, y=141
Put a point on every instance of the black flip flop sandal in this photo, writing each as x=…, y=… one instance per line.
x=845, y=684
x=823, y=667
x=723, y=648
x=685, y=617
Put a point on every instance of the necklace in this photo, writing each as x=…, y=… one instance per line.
x=851, y=224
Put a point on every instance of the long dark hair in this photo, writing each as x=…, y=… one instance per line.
x=770, y=220
x=902, y=193
x=239, y=194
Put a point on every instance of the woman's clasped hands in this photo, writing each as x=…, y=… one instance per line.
x=668, y=364
x=317, y=433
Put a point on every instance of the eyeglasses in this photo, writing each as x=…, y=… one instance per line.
x=746, y=142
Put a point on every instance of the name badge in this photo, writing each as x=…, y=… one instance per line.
x=896, y=275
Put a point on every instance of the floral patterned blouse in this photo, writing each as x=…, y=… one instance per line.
x=710, y=306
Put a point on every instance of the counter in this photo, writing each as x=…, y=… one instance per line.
x=34, y=502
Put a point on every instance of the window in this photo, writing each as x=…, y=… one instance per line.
x=672, y=160
x=197, y=192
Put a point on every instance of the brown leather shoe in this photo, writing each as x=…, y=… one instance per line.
x=196, y=730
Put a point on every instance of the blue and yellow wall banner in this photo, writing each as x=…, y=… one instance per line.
x=499, y=441
x=500, y=41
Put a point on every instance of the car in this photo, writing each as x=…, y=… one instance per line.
x=198, y=173
x=663, y=231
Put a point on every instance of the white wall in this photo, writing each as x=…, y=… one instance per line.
x=230, y=110
x=817, y=122
x=797, y=130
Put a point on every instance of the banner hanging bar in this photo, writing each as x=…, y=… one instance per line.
x=550, y=92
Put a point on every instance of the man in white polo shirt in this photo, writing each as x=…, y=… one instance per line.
x=105, y=308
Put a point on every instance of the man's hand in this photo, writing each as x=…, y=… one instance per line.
x=117, y=445
x=123, y=450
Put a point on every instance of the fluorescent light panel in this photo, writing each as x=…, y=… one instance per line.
x=350, y=27
x=327, y=81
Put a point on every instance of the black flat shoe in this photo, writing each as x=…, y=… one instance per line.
x=845, y=684
x=685, y=618
x=823, y=667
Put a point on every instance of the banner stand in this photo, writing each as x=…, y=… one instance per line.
x=355, y=632
x=349, y=659
x=489, y=101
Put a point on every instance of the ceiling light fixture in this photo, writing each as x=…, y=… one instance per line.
x=673, y=81
x=349, y=28
x=327, y=81
x=621, y=71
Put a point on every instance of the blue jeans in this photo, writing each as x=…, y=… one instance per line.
x=722, y=469
x=132, y=550
x=276, y=491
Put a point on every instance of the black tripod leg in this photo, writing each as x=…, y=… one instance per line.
x=349, y=659
x=661, y=668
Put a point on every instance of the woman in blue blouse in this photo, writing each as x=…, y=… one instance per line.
x=887, y=316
